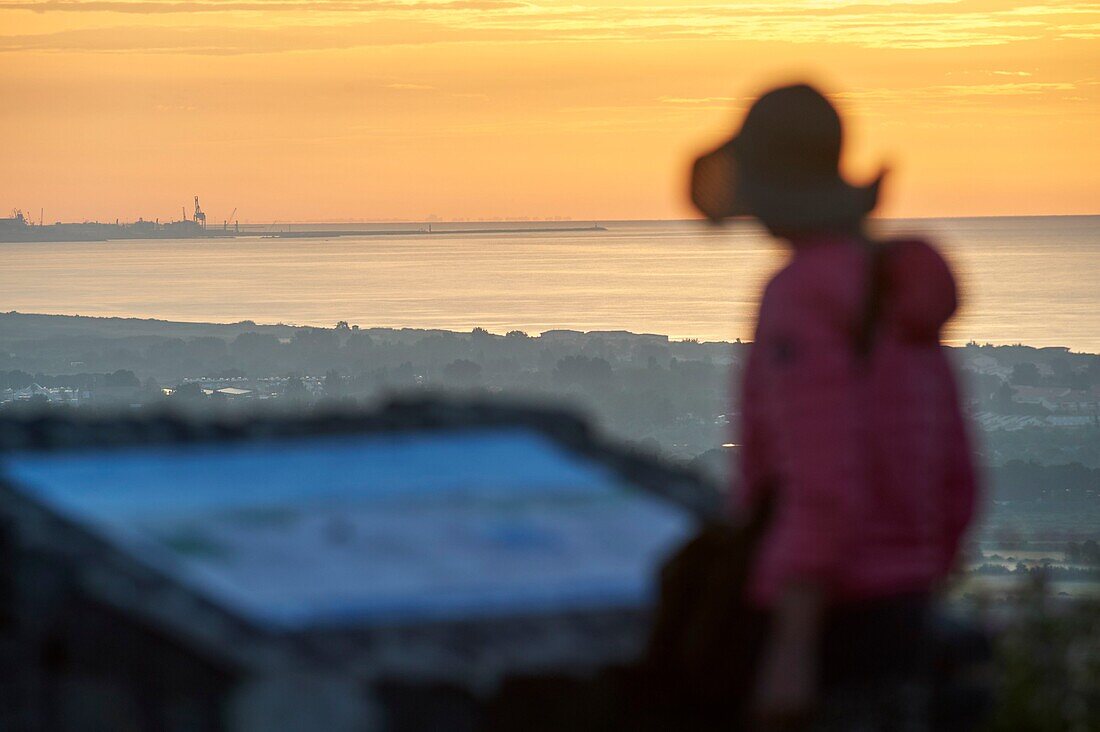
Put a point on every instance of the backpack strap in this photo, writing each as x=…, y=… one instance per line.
x=864, y=340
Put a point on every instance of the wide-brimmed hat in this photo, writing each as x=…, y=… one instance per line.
x=783, y=167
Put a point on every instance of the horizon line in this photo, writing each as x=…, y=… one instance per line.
x=568, y=221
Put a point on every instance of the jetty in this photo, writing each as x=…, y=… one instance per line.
x=429, y=231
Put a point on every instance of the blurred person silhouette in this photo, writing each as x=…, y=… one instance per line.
x=852, y=430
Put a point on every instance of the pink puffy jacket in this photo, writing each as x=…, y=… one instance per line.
x=869, y=457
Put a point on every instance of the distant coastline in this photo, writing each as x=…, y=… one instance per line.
x=17, y=230
x=16, y=325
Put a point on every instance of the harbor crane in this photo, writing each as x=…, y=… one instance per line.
x=200, y=217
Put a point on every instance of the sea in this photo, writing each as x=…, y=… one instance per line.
x=1031, y=280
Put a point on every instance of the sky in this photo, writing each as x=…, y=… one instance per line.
x=311, y=110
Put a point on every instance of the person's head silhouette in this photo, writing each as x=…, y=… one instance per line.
x=782, y=167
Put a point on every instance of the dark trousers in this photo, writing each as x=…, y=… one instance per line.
x=876, y=640
x=895, y=664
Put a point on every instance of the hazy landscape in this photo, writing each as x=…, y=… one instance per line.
x=1034, y=411
x=361, y=361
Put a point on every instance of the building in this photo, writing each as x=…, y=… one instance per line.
x=1059, y=399
x=232, y=392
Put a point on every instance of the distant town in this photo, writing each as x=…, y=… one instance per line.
x=1034, y=412
x=674, y=395
x=18, y=227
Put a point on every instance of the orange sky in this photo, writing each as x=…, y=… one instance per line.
x=375, y=109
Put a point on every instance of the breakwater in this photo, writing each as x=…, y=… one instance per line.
x=90, y=232
x=324, y=234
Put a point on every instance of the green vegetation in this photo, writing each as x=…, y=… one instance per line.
x=1048, y=665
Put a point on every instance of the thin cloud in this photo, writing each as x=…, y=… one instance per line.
x=232, y=41
x=155, y=7
x=958, y=91
x=892, y=25
x=1080, y=30
x=693, y=101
